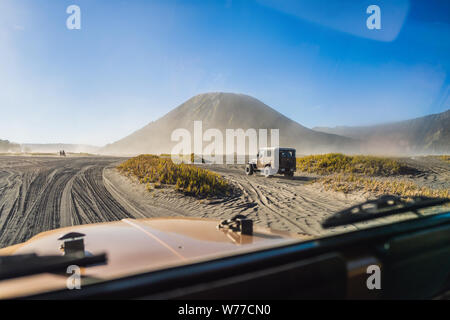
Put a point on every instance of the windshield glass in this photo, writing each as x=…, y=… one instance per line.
x=286, y=154
x=118, y=112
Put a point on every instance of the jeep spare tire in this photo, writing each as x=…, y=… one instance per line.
x=248, y=169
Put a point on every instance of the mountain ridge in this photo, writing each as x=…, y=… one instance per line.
x=227, y=111
x=429, y=134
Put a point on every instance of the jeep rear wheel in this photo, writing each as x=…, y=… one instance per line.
x=289, y=174
x=249, y=169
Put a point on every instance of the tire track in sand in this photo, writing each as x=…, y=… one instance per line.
x=43, y=193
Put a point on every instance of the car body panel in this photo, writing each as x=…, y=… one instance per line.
x=142, y=245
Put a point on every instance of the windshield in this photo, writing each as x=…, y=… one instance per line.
x=118, y=112
x=286, y=154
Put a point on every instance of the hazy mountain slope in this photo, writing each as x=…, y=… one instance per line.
x=226, y=111
x=424, y=135
x=6, y=146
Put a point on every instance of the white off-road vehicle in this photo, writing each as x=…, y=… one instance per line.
x=270, y=161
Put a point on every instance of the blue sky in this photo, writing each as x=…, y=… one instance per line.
x=133, y=61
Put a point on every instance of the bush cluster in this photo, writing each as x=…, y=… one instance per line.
x=348, y=182
x=331, y=163
x=156, y=171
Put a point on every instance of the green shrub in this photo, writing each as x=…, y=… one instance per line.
x=156, y=171
x=348, y=183
x=339, y=163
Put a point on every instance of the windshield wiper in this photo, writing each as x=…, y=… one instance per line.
x=29, y=264
x=381, y=207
